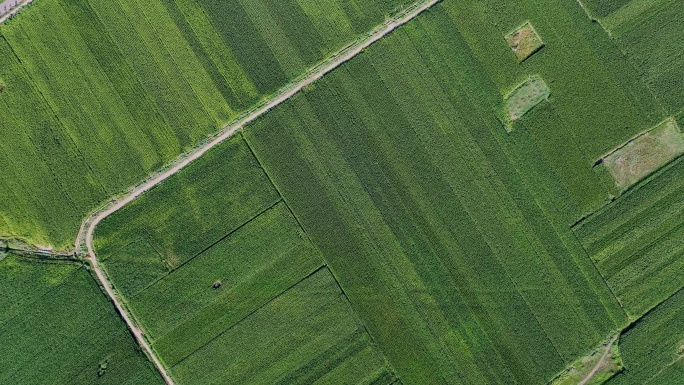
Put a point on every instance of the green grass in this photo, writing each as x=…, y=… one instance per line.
x=652, y=347
x=636, y=241
x=100, y=94
x=182, y=217
x=57, y=327
x=407, y=190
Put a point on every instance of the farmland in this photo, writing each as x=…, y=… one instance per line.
x=410, y=189
x=58, y=328
x=142, y=82
x=636, y=241
x=650, y=34
x=652, y=347
x=490, y=193
x=247, y=279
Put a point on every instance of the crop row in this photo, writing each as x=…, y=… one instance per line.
x=213, y=255
x=184, y=216
x=651, y=349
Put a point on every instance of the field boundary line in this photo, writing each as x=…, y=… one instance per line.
x=87, y=230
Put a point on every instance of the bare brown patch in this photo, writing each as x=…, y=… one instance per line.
x=524, y=41
x=644, y=154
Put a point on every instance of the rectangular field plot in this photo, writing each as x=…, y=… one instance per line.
x=644, y=154
x=252, y=265
x=524, y=41
x=653, y=348
x=59, y=328
x=526, y=96
x=308, y=334
x=636, y=241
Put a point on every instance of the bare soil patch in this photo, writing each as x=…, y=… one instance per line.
x=645, y=154
x=524, y=41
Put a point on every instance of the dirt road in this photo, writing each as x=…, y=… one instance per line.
x=87, y=230
x=9, y=7
x=599, y=363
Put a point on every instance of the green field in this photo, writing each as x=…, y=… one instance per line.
x=407, y=189
x=97, y=95
x=597, y=101
x=158, y=233
x=452, y=205
x=277, y=304
x=652, y=348
x=636, y=241
x=57, y=327
x=650, y=34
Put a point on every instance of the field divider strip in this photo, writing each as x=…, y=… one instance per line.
x=87, y=230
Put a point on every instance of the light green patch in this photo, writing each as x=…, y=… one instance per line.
x=524, y=41
x=645, y=154
x=580, y=370
x=527, y=95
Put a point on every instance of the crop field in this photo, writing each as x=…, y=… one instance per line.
x=233, y=278
x=490, y=193
x=154, y=235
x=307, y=334
x=406, y=189
x=650, y=33
x=644, y=154
x=597, y=100
x=636, y=241
x=653, y=348
x=99, y=94
x=57, y=327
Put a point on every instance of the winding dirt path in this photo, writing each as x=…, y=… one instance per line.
x=85, y=235
x=599, y=363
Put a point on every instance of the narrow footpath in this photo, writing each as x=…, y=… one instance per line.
x=599, y=364
x=85, y=236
